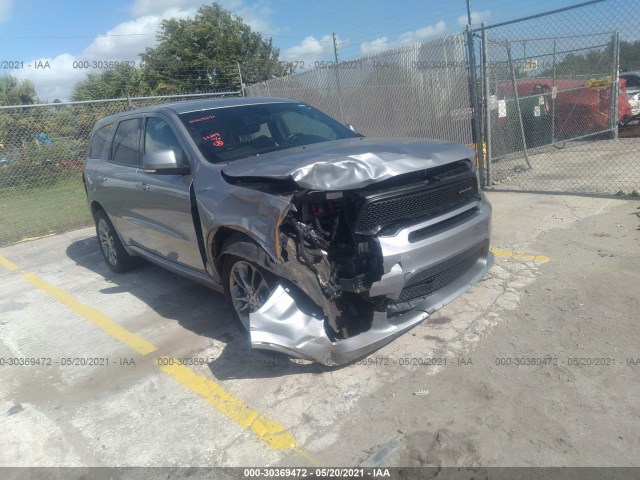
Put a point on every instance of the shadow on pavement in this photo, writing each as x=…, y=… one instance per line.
x=196, y=308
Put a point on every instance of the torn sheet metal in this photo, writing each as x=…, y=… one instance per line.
x=285, y=324
x=282, y=326
x=349, y=164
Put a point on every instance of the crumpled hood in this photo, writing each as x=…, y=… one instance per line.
x=349, y=164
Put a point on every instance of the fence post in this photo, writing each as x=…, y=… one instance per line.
x=241, y=82
x=335, y=52
x=487, y=109
x=477, y=131
x=615, y=45
x=517, y=100
x=554, y=90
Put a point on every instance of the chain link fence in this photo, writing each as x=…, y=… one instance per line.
x=555, y=116
x=551, y=113
x=419, y=90
x=42, y=151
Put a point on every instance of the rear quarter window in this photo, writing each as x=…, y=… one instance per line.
x=126, y=143
x=98, y=145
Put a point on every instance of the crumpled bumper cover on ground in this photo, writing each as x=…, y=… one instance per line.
x=282, y=326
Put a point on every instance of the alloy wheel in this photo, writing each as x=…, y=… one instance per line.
x=249, y=290
x=107, y=242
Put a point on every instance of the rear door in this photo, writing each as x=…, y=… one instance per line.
x=119, y=177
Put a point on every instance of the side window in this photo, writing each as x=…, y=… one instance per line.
x=159, y=136
x=126, y=143
x=632, y=81
x=99, y=142
x=305, y=125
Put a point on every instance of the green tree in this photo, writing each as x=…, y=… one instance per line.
x=597, y=62
x=16, y=92
x=202, y=53
x=119, y=82
x=630, y=55
x=39, y=143
x=15, y=122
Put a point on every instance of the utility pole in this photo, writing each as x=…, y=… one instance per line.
x=469, y=11
x=335, y=53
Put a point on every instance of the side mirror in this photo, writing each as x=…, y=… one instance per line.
x=163, y=162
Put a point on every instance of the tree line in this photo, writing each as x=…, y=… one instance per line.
x=210, y=52
x=597, y=61
x=193, y=55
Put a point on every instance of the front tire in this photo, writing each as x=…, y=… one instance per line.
x=247, y=287
x=112, y=249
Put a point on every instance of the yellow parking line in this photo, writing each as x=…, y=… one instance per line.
x=7, y=264
x=30, y=239
x=519, y=256
x=270, y=432
x=274, y=435
x=96, y=317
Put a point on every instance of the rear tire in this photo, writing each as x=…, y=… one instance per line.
x=246, y=285
x=112, y=249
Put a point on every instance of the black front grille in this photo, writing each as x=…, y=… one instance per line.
x=426, y=284
x=385, y=209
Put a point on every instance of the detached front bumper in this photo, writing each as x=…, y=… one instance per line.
x=442, y=257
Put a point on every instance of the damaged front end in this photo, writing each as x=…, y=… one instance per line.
x=361, y=266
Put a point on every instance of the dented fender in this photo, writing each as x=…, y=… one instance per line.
x=252, y=212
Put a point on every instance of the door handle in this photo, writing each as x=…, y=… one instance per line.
x=143, y=186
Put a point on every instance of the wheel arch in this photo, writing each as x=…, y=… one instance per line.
x=95, y=208
x=222, y=237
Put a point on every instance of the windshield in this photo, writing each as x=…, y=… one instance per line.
x=226, y=134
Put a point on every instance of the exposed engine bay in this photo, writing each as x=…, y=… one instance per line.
x=335, y=236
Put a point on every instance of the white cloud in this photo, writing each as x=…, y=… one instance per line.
x=5, y=9
x=318, y=49
x=312, y=50
x=128, y=39
x=476, y=18
x=412, y=36
x=416, y=36
x=141, y=8
x=125, y=41
x=374, y=46
x=257, y=15
x=53, y=82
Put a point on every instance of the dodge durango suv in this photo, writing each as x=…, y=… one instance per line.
x=326, y=244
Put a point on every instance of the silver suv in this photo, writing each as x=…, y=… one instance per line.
x=326, y=244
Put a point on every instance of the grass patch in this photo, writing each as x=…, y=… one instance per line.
x=33, y=212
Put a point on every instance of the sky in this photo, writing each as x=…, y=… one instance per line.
x=37, y=33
